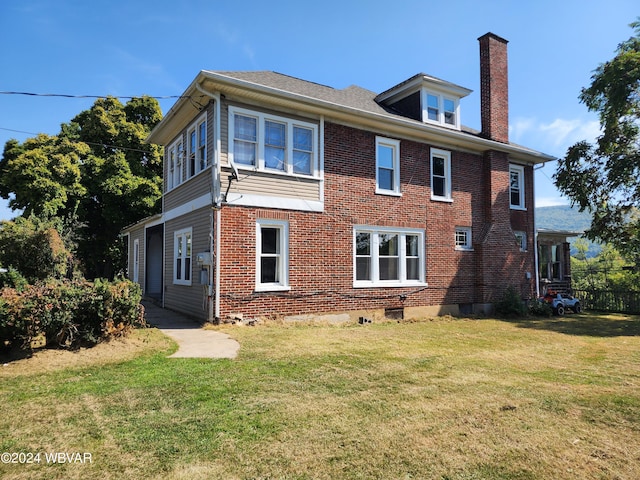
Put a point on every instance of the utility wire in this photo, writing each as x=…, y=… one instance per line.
x=64, y=95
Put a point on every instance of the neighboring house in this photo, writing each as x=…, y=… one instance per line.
x=287, y=198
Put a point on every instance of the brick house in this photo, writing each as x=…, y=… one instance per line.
x=287, y=198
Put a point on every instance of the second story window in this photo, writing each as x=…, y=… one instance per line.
x=387, y=166
x=516, y=187
x=272, y=143
x=440, y=175
x=175, y=154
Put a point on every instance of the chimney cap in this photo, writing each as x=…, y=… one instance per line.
x=494, y=36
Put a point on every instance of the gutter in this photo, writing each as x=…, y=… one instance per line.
x=354, y=115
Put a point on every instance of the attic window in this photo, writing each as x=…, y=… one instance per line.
x=440, y=109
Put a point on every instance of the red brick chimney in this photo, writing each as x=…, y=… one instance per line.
x=494, y=88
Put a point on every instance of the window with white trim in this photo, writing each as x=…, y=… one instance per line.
x=521, y=240
x=272, y=143
x=440, y=109
x=440, y=175
x=388, y=257
x=516, y=187
x=136, y=259
x=182, y=257
x=387, y=166
x=197, y=147
x=463, y=238
x=272, y=255
x=176, y=155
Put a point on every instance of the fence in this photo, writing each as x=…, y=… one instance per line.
x=621, y=301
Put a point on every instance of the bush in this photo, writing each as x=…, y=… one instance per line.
x=68, y=314
x=540, y=308
x=12, y=279
x=511, y=304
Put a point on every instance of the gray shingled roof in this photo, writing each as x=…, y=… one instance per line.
x=353, y=96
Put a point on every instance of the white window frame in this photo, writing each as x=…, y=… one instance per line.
x=519, y=171
x=191, y=151
x=446, y=155
x=375, y=234
x=194, y=154
x=186, y=235
x=136, y=260
x=521, y=240
x=282, y=284
x=177, y=156
x=441, y=113
x=394, y=145
x=463, y=239
x=288, y=167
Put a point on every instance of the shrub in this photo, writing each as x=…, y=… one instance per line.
x=540, y=308
x=511, y=304
x=12, y=279
x=68, y=313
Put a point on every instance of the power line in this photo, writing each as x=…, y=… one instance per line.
x=64, y=95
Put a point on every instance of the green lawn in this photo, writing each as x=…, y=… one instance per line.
x=443, y=398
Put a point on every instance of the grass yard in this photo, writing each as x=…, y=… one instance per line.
x=439, y=399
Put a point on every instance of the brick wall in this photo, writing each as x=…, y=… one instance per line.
x=320, y=244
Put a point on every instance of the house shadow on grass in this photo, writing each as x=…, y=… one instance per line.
x=591, y=324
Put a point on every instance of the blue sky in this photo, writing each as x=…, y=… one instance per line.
x=128, y=48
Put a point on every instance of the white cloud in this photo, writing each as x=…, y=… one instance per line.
x=553, y=137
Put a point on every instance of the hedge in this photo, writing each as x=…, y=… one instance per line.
x=69, y=314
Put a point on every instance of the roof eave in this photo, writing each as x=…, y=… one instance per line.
x=218, y=82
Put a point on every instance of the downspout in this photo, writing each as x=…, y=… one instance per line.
x=535, y=234
x=213, y=314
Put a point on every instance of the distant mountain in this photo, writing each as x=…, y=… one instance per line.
x=564, y=217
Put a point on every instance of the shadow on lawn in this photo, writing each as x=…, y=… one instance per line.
x=587, y=324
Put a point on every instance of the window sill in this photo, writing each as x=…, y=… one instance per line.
x=389, y=284
x=389, y=193
x=251, y=169
x=186, y=283
x=442, y=199
x=272, y=288
x=515, y=207
x=460, y=249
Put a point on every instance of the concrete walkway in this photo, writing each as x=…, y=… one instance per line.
x=193, y=340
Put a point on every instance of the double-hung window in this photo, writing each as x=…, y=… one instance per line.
x=272, y=143
x=516, y=187
x=440, y=175
x=387, y=166
x=440, y=109
x=202, y=159
x=272, y=255
x=388, y=257
x=192, y=141
x=182, y=257
x=176, y=157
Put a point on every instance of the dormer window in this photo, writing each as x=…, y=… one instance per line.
x=426, y=99
x=440, y=109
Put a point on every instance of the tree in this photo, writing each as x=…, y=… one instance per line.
x=604, y=178
x=97, y=175
x=42, y=176
x=34, y=248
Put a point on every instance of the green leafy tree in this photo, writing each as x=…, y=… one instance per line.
x=123, y=177
x=97, y=175
x=42, y=175
x=34, y=248
x=604, y=178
